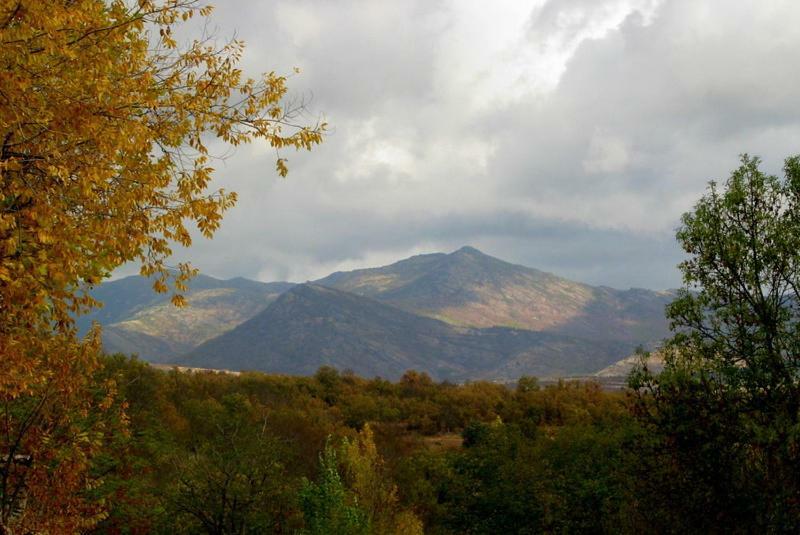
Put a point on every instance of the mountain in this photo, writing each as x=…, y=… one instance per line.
x=137, y=320
x=460, y=315
x=622, y=368
x=469, y=288
x=153, y=348
x=313, y=325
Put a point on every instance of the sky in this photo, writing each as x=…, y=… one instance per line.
x=565, y=135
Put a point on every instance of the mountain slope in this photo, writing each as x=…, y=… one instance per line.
x=622, y=368
x=151, y=348
x=461, y=315
x=135, y=319
x=469, y=288
x=311, y=325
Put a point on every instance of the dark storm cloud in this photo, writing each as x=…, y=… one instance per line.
x=566, y=135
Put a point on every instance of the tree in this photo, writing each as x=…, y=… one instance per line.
x=373, y=488
x=105, y=124
x=328, y=507
x=364, y=501
x=231, y=480
x=50, y=437
x=726, y=408
x=526, y=384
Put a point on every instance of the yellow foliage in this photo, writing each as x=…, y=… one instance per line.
x=104, y=139
x=104, y=129
x=376, y=494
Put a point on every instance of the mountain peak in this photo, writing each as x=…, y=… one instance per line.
x=468, y=250
x=478, y=263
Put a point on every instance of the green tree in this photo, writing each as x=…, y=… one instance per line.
x=231, y=479
x=527, y=383
x=328, y=507
x=726, y=407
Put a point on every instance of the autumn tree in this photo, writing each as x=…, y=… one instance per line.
x=360, y=499
x=371, y=484
x=105, y=125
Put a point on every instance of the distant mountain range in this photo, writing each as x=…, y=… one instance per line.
x=473, y=289
x=137, y=320
x=311, y=325
x=458, y=316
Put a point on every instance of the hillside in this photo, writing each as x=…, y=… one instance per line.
x=461, y=315
x=469, y=288
x=137, y=320
x=655, y=363
x=311, y=325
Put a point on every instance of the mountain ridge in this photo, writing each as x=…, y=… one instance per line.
x=136, y=319
x=470, y=288
x=509, y=319
x=312, y=325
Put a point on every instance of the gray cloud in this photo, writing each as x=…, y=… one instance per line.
x=565, y=135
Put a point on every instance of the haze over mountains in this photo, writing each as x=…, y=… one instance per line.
x=457, y=316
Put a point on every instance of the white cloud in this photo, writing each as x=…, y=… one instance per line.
x=606, y=154
x=300, y=22
x=492, y=56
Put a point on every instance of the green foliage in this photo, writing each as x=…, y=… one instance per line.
x=217, y=453
x=328, y=508
x=567, y=457
x=726, y=409
x=566, y=478
x=373, y=488
x=527, y=384
x=230, y=476
x=737, y=315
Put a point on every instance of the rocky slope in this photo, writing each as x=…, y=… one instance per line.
x=460, y=315
x=312, y=325
x=136, y=320
x=470, y=288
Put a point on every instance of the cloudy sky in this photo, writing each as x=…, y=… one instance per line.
x=567, y=135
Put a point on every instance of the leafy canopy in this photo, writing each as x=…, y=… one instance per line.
x=105, y=130
x=738, y=318
x=728, y=402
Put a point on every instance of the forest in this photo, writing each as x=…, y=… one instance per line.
x=335, y=453
x=210, y=452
